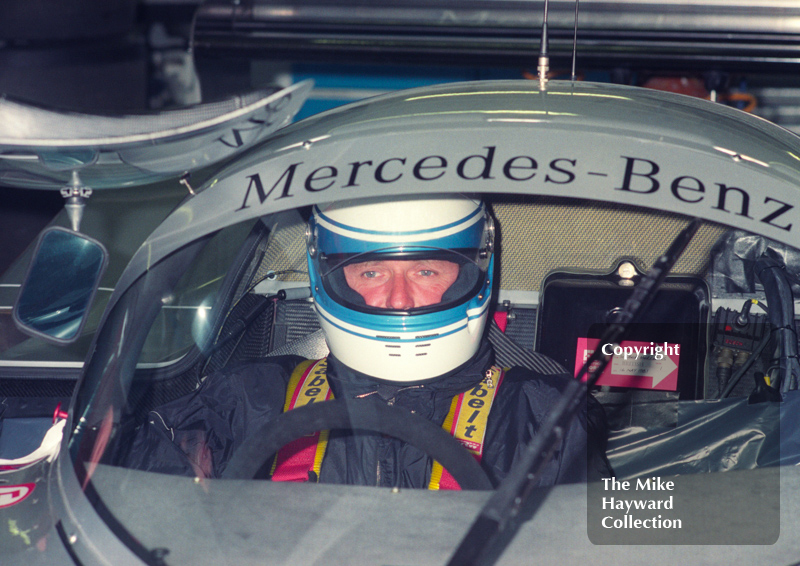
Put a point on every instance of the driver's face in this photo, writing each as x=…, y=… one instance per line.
x=401, y=284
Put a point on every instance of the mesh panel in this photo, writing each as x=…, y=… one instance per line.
x=286, y=250
x=255, y=341
x=249, y=342
x=281, y=253
x=560, y=234
x=293, y=320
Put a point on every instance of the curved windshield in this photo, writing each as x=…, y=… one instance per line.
x=218, y=419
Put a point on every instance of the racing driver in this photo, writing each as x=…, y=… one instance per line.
x=402, y=290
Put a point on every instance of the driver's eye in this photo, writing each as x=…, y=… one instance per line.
x=370, y=274
x=427, y=272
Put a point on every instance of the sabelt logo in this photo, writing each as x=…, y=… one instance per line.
x=13, y=494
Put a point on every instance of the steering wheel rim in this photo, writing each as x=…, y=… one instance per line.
x=357, y=414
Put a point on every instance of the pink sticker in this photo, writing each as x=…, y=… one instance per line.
x=642, y=365
x=13, y=494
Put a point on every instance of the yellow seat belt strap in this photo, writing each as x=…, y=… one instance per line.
x=466, y=422
x=301, y=459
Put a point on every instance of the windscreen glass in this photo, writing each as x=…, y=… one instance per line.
x=178, y=434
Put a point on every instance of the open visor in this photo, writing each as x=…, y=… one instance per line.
x=403, y=280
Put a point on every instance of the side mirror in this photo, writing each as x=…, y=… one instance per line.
x=62, y=279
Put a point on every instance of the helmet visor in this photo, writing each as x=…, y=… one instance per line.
x=403, y=280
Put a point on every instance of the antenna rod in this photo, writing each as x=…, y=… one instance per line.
x=544, y=57
x=575, y=43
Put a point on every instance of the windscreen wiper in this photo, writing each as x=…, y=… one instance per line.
x=492, y=529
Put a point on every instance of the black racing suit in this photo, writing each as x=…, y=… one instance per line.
x=197, y=434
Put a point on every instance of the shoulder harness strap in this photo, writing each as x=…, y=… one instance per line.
x=301, y=459
x=466, y=421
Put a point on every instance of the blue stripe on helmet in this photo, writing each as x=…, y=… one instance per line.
x=389, y=338
x=471, y=237
x=470, y=216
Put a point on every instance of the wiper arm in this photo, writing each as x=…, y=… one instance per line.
x=481, y=544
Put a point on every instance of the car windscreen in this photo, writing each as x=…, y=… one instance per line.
x=207, y=348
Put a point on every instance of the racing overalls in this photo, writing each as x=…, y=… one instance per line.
x=197, y=434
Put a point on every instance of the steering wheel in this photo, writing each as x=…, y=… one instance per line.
x=357, y=414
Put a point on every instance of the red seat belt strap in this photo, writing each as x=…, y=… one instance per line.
x=299, y=458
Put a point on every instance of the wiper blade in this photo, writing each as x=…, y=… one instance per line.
x=481, y=544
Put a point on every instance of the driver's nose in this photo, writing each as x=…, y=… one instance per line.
x=399, y=295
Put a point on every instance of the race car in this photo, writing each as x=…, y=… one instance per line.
x=610, y=203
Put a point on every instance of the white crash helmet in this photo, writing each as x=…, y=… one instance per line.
x=402, y=345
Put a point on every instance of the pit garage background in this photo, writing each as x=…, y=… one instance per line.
x=122, y=56
x=132, y=56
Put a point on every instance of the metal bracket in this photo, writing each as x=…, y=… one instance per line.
x=76, y=195
x=184, y=180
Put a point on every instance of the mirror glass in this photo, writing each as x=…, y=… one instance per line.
x=63, y=276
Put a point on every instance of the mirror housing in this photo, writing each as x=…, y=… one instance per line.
x=62, y=278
